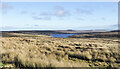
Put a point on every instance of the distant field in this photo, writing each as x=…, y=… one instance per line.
x=98, y=35
x=83, y=34
x=46, y=32
x=86, y=50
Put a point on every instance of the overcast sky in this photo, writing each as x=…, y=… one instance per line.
x=58, y=15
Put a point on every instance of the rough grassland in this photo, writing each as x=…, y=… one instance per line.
x=46, y=51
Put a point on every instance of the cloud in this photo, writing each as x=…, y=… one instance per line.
x=5, y=7
x=60, y=11
x=41, y=18
x=81, y=19
x=103, y=18
x=83, y=11
x=57, y=12
x=36, y=25
x=0, y=5
x=7, y=28
x=46, y=14
x=24, y=12
x=36, y=18
x=33, y=13
x=59, y=7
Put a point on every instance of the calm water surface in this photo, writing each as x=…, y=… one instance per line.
x=62, y=35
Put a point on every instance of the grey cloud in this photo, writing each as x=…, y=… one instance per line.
x=47, y=18
x=33, y=13
x=81, y=19
x=36, y=25
x=103, y=18
x=0, y=6
x=27, y=24
x=36, y=18
x=6, y=28
x=46, y=14
x=41, y=18
x=60, y=11
x=59, y=7
x=5, y=6
x=83, y=11
x=24, y=12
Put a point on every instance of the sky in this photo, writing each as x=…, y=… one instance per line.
x=59, y=15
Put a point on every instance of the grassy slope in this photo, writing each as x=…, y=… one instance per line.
x=45, y=51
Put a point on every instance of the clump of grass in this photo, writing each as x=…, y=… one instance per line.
x=60, y=49
x=59, y=53
x=81, y=55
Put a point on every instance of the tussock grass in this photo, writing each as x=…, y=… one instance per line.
x=44, y=51
x=81, y=55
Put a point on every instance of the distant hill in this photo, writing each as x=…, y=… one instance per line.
x=115, y=31
x=99, y=28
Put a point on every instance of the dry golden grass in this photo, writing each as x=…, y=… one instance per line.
x=46, y=51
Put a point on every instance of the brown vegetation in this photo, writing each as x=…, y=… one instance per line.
x=46, y=51
x=98, y=35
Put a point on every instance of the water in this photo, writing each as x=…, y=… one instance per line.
x=62, y=35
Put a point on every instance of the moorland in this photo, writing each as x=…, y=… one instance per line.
x=39, y=49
